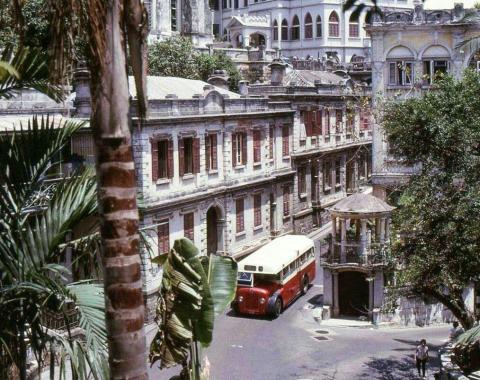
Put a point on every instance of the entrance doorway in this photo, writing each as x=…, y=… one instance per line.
x=212, y=230
x=352, y=294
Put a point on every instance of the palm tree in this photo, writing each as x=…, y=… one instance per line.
x=36, y=217
x=109, y=27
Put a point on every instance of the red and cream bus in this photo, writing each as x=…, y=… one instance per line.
x=272, y=277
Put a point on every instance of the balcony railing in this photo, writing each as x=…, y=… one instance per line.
x=355, y=253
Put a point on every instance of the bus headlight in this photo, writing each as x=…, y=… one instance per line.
x=240, y=299
x=262, y=301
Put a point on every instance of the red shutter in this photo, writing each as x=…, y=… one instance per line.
x=308, y=123
x=285, y=141
x=319, y=130
x=154, y=144
x=327, y=122
x=188, y=226
x=163, y=237
x=257, y=148
x=213, y=143
x=244, y=148
x=196, y=155
x=170, y=159
x=181, y=157
x=234, y=149
x=240, y=226
x=207, y=152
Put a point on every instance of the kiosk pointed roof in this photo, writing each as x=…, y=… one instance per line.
x=359, y=203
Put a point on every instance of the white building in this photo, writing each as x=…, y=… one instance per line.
x=408, y=49
x=297, y=28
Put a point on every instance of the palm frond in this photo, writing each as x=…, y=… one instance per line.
x=31, y=69
x=26, y=157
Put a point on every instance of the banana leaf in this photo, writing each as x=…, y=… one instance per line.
x=222, y=280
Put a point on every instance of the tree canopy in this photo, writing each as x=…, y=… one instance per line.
x=438, y=236
x=177, y=57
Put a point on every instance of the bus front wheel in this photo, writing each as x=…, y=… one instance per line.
x=305, y=284
x=277, y=309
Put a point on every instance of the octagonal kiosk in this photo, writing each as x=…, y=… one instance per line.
x=354, y=263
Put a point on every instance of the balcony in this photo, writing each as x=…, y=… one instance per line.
x=352, y=253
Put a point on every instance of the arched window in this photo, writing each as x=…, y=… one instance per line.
x=295, y=28
x=353, y=27
x=284, y=30
x=319, y=26
x=275, y=30
x=308, y=26
x=333, y=25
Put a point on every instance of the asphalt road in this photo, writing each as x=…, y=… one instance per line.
x=246, y=348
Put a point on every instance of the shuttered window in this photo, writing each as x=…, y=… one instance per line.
x=318, y=123
x=239, y=148
x=162, y=159
x=327, y=176
x=327, y=122
x=338, y=174
x=257, y=210
x=286, y=200
x=211, y=157
x=188, y=224
x=189, y=155
x=307, y=121
x=350, y=120
x=364, y=119
x=285, y=141
x=302, y=181
x=338, y=120
x=163, y=234
x=257, y=146
x=239, y=213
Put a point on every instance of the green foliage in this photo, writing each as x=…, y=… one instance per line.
x=436, y=222
x=30, y=70
x=177, y=57
x=35, y=217
x=36, y=26
x=193, y=291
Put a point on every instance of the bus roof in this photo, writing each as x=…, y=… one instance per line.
x=273, y=256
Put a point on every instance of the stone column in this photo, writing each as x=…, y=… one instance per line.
x=343, y=240
x=387, y=228
x=336, y=305
x=334, y=228
x=363, y=237
x=221, y=226
x=371, y=296
x=308, y=180
x=382, y=230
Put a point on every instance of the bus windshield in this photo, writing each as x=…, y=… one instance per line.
x=263, y=278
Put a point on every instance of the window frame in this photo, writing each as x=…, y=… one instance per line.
x=334, y=25
x=239, y=215
x=257, y=210
x=398, y=68
x=189, y=232
x=308, y=26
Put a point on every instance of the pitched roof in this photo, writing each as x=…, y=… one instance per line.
x=307, y=78
x=360, y=203
x=160, y=87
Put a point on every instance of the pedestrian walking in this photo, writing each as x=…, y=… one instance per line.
x=421, y=357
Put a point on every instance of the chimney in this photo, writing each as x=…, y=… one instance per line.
x=277, y=68
x=81, y=86
x=219, y=79
x=243, y=87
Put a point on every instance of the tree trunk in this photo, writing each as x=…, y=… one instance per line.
x=117, y=204
x=455, y=305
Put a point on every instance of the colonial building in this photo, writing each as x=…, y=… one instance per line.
x=296, y=28
x=332, y=135
x=212, y=166
x=408, y=49
x=168, y=18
